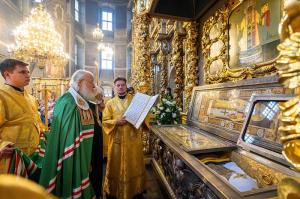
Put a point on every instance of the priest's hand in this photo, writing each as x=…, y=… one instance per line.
x=101, y=106
x=121, y=122
x=7, y=151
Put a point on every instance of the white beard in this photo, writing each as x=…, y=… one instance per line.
x=87, y=95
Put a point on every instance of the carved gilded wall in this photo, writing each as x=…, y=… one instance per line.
x=163, y=62
x=288, y=70
x=191, y=68
x=177, y=62
x=237, y=46
x=141, y=68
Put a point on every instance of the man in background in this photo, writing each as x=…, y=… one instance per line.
x=20, y=123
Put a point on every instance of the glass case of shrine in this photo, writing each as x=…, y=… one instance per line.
x=256, y=166
x=231, y=142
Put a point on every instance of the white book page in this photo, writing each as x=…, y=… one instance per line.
x=136, y=107
x=144, y=114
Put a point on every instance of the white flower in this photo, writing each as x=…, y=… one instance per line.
x=161, y=108
x=169, y=103
x=164, y=100
x=174, y=102
x=175, y=122
x=168, y=110
x=153, y=109
x=174, y=115
x=158, y=112
x=179, y=109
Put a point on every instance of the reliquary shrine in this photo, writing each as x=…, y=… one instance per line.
x=241, y=138
x=230, y=146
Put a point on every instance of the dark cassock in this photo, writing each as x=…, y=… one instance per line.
x=96, y=175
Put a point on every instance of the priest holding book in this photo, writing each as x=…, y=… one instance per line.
x=125, y=172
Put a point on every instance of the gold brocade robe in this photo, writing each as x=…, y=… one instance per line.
x=125, y=172
x=19, y=122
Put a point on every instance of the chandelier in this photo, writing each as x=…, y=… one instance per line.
x=106, y=48
x=36, y=41
x=98, y=34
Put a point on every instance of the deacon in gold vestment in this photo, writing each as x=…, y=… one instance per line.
x=19, y=118
x=125, y=172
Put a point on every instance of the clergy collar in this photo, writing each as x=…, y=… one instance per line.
x=122, y=97
x=80, y=101
x=16, y=88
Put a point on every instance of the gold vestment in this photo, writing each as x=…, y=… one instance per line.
x=19, y=121
x=125, y=172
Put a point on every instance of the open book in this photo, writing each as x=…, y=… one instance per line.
x=139, y=108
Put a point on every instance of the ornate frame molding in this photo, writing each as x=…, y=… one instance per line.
x=221, y=16
x=226, y=73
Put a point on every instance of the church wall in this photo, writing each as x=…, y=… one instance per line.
x=121, y=17
x=91, y=53
x=201, y=21
x=120, y=61
x=117, y=39
x=11, y=14
x=92, y=12
x=129, y=16
x=10, y=17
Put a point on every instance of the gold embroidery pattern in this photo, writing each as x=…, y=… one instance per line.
x=86, y=116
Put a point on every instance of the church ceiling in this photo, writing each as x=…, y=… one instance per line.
x=180, y=9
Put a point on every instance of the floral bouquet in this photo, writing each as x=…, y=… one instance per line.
x=166, y=112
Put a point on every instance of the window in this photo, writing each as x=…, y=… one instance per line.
x=76, y=10
x=271, y=109
x=107, y=91
x=76, y=53
x=106, y=60
x=107, y=20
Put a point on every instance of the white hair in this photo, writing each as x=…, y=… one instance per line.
x=77, y=76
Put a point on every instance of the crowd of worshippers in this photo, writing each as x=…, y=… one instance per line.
x=50, y=109
x=67, y=160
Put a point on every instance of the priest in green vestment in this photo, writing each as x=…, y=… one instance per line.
x=67, y=163
x=125, y=172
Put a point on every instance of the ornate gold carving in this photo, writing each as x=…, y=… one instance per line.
x=152, y=73
x=142, y=6
x=289, y=72
x=215, y=51
x=214, y=32
x=191, y=69
x=289, y=188
x=163, y=61
x=264, y=175
x=141, y=68
x=177, y=62
x=56, y=86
